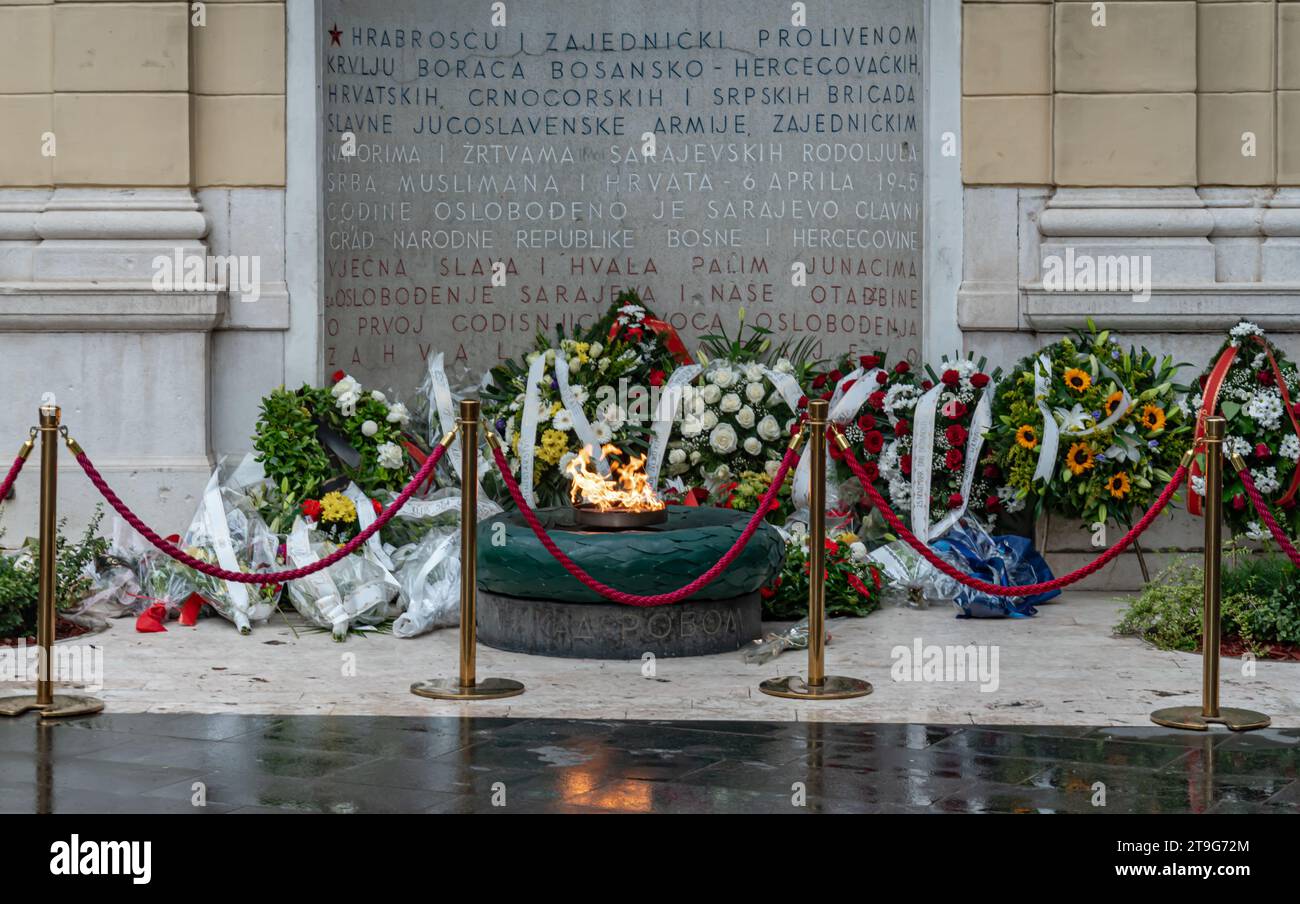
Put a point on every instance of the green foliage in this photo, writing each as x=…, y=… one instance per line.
x=1261, y=604
x=852, y=586
x=286, y=441
x=20, y=574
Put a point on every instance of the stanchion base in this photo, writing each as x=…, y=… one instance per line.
x=64, y=705
x=835, y=687
x=450, y=689
x=1191, y=718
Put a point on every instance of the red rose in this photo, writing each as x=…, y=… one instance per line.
x=866, y=422
x=819, y=381
x=992, y=472
x=1238, y=502
x=953, y=410
x=902, y=428
x=953, y=459
x=882, y=378
x=767, y=592
x=836, y=375
x=905, y=464
x=1265, y=377
x=877, y=400
x=856, y=583
x=869, y=362
x=992, y=504
x=927, y=385
x=950, y=378
x=873, y=442
x=656, y=378
x=872, y=472
x=1261, y=451
x=954, y=501
x=902, y=367
x=832, y=547
x=337, y=375
x=378, y=508
x=803, y=401
x=956, y=435
x=311, y=508
x=979, y=381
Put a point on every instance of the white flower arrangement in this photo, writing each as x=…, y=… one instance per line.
x=390, y=456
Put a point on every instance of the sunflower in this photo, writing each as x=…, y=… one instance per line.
x=1079, y=458
x=1112, y=402
x=1153, y=417
x=1077, y=380
x=1026, y=437
x=1118, y=485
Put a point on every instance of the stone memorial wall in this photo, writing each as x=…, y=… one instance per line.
x=484, y=182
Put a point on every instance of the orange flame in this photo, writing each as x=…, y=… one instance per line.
x=625, y=489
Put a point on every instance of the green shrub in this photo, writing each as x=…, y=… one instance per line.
x=20, y=575
x=1261, y=604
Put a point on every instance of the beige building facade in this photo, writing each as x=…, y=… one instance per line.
x=1163, y=129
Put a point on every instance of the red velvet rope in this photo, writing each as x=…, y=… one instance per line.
x=997, y=589
x=11, y=477
x=261, y=577
x=632, y=599
x=1264, y=512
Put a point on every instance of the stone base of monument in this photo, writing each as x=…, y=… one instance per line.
x=612, y=631
x=528, y=603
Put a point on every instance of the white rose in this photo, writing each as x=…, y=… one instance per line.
x=390, y=456
x=784, y=366
x=723, y=377
x=770, y=468
x=745, y=417
x=369, y=428
x=754, y=372
x=752, y=445
x=595, y=350
x=692, y=426
x=755, y=392
x=722, y=472
x=768, y=428
x=378, y=396
x=722, y=439
x=695, y=458
x=709, y=420
x=575, y=364
x=397, y=414
x=677, y=457
x=346, y=385
x=730, y=403
x=711, y=394
x=858, y=551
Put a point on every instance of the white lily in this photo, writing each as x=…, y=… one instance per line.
x=1075, y=420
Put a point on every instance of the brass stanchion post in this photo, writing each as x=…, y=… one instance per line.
x=819, y=685
x=467, y=686
x=48, y=703
x=1191, y=717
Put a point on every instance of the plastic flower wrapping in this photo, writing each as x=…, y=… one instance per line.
x=1255, y=387
x=1115, y=434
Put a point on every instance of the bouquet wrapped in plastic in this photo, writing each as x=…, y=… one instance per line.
x=356, y=590
x=910, y=580
x=1008, y=560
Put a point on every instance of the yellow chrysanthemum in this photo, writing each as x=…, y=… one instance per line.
x=337, y=507
x=1027, y=437
x=552, y=447
x=1077, y=380
x=1079, y=458
x=1153, y=417
x=1118, y=485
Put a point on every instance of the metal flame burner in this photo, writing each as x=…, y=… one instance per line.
x=590, y=517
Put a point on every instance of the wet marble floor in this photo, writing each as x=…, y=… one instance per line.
x=172, y=763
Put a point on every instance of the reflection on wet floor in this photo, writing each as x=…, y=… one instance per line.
x=190, y=763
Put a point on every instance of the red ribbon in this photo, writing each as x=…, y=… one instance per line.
x=673, y=342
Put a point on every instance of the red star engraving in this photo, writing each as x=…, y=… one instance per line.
x=335, y=35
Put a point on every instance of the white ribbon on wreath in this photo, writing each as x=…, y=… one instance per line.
x=442, y=407
x=844, y=407
x=923, y=420
x=1050, y=442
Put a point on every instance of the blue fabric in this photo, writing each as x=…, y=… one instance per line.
x=1008, y=560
